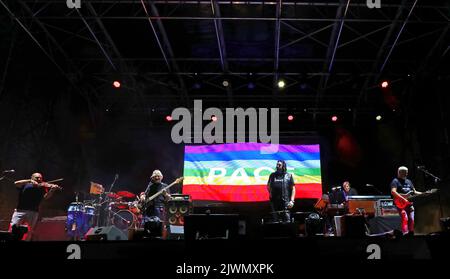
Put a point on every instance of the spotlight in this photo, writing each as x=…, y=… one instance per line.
x=116, y=84
x=169, y=118
x=226, y=83
x=214, y=118
x=334, y=118
x=378, y=118
x=290, y=117
x=385, y=84
x=281, y=84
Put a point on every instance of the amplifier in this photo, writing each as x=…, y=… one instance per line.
x=385, y=207
x=178, y=197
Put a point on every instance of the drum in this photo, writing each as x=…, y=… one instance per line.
x=134, y=207
x=124, y=219
x=75, y=215
x=119, y=205
x=88, y=218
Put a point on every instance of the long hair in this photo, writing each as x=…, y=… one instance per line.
x=283, y=166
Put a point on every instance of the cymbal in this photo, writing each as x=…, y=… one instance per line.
x=126, y=194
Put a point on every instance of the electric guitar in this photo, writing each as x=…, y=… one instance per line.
x=148, y=200
x=410, y=196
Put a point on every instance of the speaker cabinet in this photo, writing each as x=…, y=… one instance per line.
x=51, y=229
x=105, y=233
x=176, y=211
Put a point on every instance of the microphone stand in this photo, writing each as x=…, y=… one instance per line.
x=109, y=207
x=373, y=187
x=436, y=181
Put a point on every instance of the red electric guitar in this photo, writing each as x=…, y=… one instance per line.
x=410, y=196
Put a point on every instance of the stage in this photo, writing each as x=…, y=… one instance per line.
x=273, y=250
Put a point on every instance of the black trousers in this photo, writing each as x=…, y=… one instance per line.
x=280, y=211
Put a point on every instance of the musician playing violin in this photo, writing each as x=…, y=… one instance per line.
x=31, y=193
x=401, y=186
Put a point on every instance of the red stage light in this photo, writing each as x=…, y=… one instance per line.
x=334, y=118
x=116, y=84
x=169, y=118
x=290, y=117
x=385, y=84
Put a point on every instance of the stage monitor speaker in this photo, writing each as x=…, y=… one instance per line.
x=211, y=226
x=105, y=233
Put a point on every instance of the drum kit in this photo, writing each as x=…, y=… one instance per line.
x=120, y=209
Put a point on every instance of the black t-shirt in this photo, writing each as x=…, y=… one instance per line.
x=30, y=197
x=403, y=185
x=281, y=185
x=152, y=189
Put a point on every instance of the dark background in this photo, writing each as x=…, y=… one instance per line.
x=60, y=115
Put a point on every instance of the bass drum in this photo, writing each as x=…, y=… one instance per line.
x=124, y=220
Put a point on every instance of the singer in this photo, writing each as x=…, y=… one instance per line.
x=281, y=192
x=31, y=193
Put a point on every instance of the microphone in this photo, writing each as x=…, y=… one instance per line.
x=369, y=185
x=336, y=188
x=117, y=176
x=420, y=167
x=9, y=171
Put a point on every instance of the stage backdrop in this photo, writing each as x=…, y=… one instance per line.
x=239, y=172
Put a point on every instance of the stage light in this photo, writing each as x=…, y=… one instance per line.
x=334, y=118
x=281, y=84
x=226, y=83
x=214, y=118
x=290, y=117
x=378, y=118
x=116, y=84
x=168, y=118
x=385, y=84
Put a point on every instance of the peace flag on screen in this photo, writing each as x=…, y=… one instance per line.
x=239, y=172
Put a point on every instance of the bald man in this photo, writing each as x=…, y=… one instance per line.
x=31, y=193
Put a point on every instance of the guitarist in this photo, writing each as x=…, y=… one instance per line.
x=156, y=207
x=402, y=185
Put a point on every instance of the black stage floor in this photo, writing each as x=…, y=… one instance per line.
x=273, y=250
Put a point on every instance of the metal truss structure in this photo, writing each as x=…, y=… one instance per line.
x=331, y=54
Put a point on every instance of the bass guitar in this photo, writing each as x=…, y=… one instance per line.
x=148, y=200
x=410, y=197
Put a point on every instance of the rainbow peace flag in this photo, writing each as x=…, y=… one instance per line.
x=239, y=172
